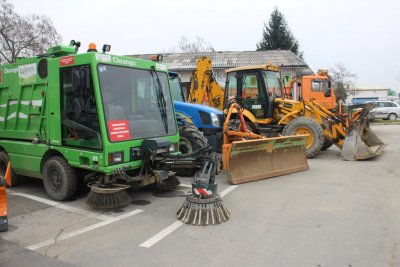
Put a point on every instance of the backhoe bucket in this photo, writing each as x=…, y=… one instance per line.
x=253, y=160
x=361, y=142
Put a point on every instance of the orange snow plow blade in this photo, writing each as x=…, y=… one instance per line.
x=252, y=160
x=250, y=157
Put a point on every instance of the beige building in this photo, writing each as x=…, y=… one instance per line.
x=185, y=63
x=362, y=93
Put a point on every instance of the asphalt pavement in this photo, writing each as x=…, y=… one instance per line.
x=338, y=213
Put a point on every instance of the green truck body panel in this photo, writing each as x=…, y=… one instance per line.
x=31, y=115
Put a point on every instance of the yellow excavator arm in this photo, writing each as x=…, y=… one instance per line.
x=204, y=89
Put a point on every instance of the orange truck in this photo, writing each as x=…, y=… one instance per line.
x=317, y=87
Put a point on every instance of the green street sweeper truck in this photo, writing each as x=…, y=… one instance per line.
x=100, y=120
x=91, y=118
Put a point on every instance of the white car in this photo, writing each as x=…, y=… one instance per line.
x=386, y=110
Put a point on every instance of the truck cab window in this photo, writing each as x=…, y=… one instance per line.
x=317, y=85
x=231, y=87
x=250, y=87
x=272, y=84
x=79, y=117
x=250, y=91
x=136, y=97
x=176, y=89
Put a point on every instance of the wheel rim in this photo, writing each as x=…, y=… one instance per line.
x=310, y=138
x=392, y=117
x=54, y=179
x=185, y=146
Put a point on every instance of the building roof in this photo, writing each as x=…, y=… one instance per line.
x=230, y=59
x=371, y=87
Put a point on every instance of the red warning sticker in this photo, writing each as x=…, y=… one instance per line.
x=64, y=61
x=118, y=130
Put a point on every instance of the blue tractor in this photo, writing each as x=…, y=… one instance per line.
x=198, y=124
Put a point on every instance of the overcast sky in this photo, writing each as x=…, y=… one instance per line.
x=364, y=35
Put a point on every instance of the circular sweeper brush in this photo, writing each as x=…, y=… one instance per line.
x=203, y=211
x=107, y=196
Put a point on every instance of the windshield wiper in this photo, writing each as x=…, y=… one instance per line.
x=162, y=104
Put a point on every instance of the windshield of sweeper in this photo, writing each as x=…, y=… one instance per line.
x=137, y=103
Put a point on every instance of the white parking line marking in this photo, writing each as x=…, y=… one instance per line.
x=228, y=190
x=83, y=230
x=39, y=199
x=154, y=239
x=161, y=234
x=185, y=185
x=63, y=206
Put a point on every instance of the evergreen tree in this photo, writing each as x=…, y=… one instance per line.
x=277, y=35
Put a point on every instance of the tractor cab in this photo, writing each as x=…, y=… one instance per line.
x=255, y=89
x=176, y=88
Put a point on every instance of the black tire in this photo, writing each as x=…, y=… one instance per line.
x=15, y=178
x=59, y=179
x=392, y=117
x=327, y=144
x=191, y=139
x=305, y=124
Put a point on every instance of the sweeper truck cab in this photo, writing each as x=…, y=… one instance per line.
x=91, y=117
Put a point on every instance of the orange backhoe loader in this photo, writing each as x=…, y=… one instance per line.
x=246, y=156
x=204, y=89
x=258, y=89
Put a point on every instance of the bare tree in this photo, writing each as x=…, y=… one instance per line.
x=198, y=45
x=341, y=73
x=343, y=80
x=24, y=36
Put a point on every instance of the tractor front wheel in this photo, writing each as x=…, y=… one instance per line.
x=191, y=139
x=305, y=125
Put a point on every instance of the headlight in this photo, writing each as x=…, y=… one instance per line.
x=173, y=148
x=215, y=120
x=115, y=158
